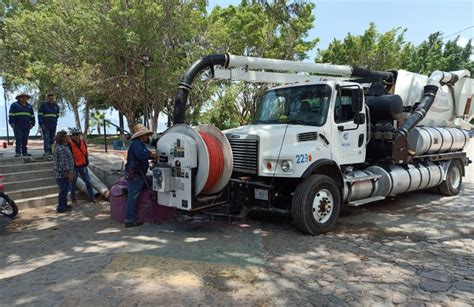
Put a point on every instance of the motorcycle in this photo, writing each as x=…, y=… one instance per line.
x=7, y=205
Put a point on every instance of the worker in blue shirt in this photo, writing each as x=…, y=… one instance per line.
x=21, y=119
x=135, y=171
x=48, y=120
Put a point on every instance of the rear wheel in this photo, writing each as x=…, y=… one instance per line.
x=316, y=204
x=452, y=185
x=7, y=206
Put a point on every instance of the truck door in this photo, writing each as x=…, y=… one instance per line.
x=349, y=127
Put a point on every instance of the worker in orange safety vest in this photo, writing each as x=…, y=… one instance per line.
x=81, y=161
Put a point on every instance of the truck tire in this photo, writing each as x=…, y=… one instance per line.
x=316, y=204
x=452, y=185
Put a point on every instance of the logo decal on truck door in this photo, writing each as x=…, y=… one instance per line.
x=345, y=139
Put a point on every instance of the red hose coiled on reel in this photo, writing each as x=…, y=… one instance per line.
x=216, y=160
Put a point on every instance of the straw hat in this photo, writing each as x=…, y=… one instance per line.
x=139, y=131
x=22, y=94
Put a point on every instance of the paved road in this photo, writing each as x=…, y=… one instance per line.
x=415, y=250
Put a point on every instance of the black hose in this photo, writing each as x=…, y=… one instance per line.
x=366, y=73
x=185, y=85
x=429, y=95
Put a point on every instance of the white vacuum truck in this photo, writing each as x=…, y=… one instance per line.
x=331, y=136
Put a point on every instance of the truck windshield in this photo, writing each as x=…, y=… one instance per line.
x=304, y=105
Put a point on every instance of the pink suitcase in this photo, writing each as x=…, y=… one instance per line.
x=148, y=210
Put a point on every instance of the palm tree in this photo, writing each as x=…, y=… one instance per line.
x=97, y=119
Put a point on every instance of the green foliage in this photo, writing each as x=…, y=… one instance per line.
x=382, y=51
x=223, y=112
x=91, y=49
x=88, y=50
x=434, y=54
x=97, y=120
x=276, y=29
x=372, y=50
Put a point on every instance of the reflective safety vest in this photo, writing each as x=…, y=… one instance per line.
x=79, y=153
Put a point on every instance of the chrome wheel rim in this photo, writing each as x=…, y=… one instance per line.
x=323, y=206
x=5, y=206
x=455, y=177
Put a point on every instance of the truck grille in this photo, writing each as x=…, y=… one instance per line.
x=245, y=154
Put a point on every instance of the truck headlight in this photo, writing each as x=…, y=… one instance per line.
x=286, y=166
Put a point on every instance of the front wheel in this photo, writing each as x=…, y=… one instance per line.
x=452, y=185
x=316, y=204
x=7, y=206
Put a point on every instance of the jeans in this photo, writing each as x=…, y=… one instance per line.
x=135, y=186
x=63, y=184
x=21, y=140
x=84, y=173
x=48, y=135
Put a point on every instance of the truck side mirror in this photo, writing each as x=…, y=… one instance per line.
x=359, y=118
x=357, y=101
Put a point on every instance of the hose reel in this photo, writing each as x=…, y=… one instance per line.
x=193, y=161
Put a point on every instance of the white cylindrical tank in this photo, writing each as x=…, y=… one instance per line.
x=429, y=140
x=398, y=179
x=359, y=189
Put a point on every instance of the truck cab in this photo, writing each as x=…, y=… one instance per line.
x=299, y=125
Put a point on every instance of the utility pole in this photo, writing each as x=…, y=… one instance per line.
x=5, y=88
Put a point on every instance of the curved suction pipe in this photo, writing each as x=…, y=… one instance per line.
x=185, y=85
x=436, y=79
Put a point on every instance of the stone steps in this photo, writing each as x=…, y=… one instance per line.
x=12, y=186
x=27, y=175
x=30, y=181
x=25, y=167
x=38, y=201
x=33, y=192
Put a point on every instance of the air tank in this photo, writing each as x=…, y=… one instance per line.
x=429, y=140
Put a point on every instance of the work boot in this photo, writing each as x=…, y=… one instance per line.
x=26, y=155
x=133, y=224
x=68, y=208
x=17, y=155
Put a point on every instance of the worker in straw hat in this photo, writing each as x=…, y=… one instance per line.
x=21, y=119
x=138, y=157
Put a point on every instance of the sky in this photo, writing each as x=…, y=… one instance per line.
x=336, y=18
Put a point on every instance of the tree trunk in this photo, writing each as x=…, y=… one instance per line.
x=86, y=119
x=77, y=118
x=154, y=122
x=98, y=128
x=131, y=121
x=121, y=124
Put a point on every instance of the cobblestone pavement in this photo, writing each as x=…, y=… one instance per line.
x=416, y=250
